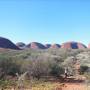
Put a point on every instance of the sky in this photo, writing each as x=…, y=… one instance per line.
x=45, y=21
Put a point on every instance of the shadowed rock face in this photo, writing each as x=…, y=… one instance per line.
x=5, y=43
x=20, y=45
x=47, y=46
x=36, y=45
x=55, y=46
x=73, y=45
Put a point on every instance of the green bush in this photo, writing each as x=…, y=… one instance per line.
x=8, y=66
x=83, y=69
x=56, y=70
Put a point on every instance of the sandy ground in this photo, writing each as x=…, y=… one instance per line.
x=76, y=84
x=75, y=87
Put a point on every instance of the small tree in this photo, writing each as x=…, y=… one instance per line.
x=38, y=68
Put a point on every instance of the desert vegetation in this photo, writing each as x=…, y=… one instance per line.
x=42, y=66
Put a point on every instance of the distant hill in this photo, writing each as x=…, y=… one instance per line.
x=55, y=46
x=73, y=45
x=7, y=44
x=89, y=45
x=47, y=46
x=36, y=45
x=21, y=45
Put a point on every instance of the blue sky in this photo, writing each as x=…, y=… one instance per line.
x=45, y=21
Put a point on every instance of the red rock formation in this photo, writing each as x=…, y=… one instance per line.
x=88, y=45
x=81, y=46
x=73, y=45
x=47, y=46
x=36, y=45
x=55, y=46
x=20, y=45
x=7, y=44
x=66, y=45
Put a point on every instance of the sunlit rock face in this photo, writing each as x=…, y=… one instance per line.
x=73, y=45
x=21, y=45
x=55, y=46
x=7, y=44
x=89, y=45
x=36, y=45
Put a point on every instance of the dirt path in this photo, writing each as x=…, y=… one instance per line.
x=74, y=86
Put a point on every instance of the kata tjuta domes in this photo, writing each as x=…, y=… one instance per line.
x=21, y=45
x=36, y=45
x=89, y=45
x=7, y=44
x=55, y=46
x=73, y=45
x=47, y=46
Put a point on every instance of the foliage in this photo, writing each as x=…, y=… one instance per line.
x=56, y=70
x=40, y=62
x=83, y=69
x=8, y=66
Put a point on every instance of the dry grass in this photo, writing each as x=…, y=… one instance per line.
x=54, y=86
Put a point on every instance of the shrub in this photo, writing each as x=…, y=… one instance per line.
x=8, y=66
x=83, y=69
x=56, y=70
x=38, y=68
